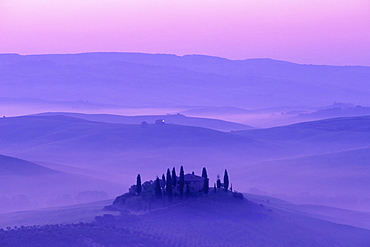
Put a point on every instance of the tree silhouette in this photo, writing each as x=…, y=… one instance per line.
x=206, y=181
x=204, y=173
x=148, y=193
x=158, y=190
x=226, y=180
x=182, y=182
x=174, y=178
x=206, y=185
x=169, y=185
x=218, y=182
x=138, y=184
x=163, y=182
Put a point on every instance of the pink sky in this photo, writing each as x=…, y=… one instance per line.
x=303, y=31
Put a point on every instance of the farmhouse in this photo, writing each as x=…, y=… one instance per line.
x=193, y=183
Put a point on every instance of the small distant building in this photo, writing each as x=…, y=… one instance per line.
x=159, y=121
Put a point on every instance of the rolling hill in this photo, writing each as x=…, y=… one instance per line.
x=30, y=133
x=325, y=162
x=12, y=166
x=321, y=136
x=322, y=161
x=27, y=185
x=178, y=119
x=334, y=111
x=120, y=151
x=338, y=179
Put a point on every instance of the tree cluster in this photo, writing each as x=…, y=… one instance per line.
x=169, y=185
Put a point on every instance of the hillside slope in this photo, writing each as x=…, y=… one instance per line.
x=214, y=220
x=12, y=166
x=40, y=130
x=219, y=222
x=325, y=162
x=338, y=179
x=27, y=185
x=321, y=136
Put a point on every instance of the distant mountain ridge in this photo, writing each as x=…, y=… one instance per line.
x=160, y=80
x=336, y=110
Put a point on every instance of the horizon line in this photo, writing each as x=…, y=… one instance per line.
x=176, y=55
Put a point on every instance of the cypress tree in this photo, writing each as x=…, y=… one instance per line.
x=163, y=182
x=158, y=190
x=226, y=180
x=174, y=178
x=169, y=185
x=182, y=181
x=218, y=182
x=138, y=184
x=206, y=181
x=206, y=185
x=204, y=172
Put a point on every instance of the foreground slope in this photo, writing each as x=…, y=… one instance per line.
x=214, y=220
x=220, y=222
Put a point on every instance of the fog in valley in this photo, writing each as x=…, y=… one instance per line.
x=77, y=129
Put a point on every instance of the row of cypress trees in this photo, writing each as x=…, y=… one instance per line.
x=167, y=184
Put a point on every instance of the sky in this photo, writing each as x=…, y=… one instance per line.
x=335, y=32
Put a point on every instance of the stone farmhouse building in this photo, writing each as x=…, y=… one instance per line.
x=193, y=182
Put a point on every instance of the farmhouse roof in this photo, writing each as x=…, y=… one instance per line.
x=193, y=178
